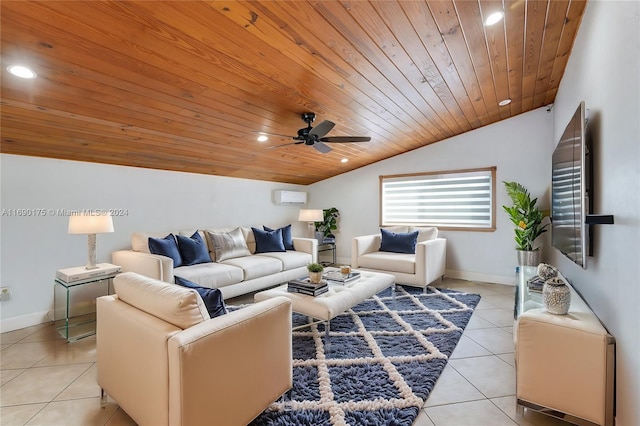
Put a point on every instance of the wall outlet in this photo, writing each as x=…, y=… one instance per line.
x=5, y=293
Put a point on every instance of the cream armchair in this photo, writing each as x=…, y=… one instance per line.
x=418, y=270
x=165, y=362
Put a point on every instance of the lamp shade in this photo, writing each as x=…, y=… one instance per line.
x=90, y=224
x=311, y=216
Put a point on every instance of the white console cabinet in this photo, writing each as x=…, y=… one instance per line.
x=564, y=363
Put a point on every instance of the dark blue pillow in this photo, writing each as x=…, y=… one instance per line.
x=401, y=242
x=166, y=246
x=287, y=238
x=193, y=249
x=268, y=241
x=212, y=297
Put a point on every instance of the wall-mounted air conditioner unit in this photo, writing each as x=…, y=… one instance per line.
x=290, y=197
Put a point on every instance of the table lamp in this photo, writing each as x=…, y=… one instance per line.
x=90, y=224
x=311, y=216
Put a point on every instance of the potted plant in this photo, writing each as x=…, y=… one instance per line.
x=330, y=223
x=315, y=272
x=527, y=219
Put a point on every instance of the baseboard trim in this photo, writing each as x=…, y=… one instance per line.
x=478, y=277
x=23, y=321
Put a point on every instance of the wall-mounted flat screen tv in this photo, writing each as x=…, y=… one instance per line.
x=569, y=194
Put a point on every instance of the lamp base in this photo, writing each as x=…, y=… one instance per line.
x=91, y=252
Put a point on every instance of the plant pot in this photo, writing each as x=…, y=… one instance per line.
x=528, y=258
x=315, y=277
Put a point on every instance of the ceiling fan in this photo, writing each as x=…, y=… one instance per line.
x=315, y=136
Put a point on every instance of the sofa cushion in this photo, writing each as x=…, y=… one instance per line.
x=140, y=240
x=166, y=246
x=425, y=233
x=397, y=228
x=400, y=242
x=290, y=259
x=229, y=245
x=256, y=266
x=212, y=274
x=388, y=262
x=268, y=241
x=212, y=297
x=287, y=237
x=177, y=305
x=193, y=249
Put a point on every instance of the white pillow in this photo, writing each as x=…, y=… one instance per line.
x=425, y=233
x=229, y=245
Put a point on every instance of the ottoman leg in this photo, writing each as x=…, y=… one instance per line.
x=327, y=338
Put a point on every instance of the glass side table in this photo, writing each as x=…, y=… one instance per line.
x=327, y=246
x=526, y=299
x=75, y=305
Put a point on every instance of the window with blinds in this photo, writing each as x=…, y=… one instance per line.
x=451, y=199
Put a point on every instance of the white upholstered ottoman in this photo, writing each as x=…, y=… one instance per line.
x=339, y=298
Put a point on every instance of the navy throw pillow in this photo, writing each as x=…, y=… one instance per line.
x=212, y=297
x=166, y=246
x=193, y=249
x=401, y=242
x=287, y=238
x=268, y=241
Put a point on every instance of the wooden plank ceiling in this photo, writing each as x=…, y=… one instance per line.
x=188, y=86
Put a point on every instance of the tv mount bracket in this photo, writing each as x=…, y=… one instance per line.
x=599, y=219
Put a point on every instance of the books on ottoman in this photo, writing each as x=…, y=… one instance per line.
x=338, y=277
x=305, y=286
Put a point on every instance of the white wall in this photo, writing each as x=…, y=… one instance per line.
x=33, y=248
x=519, y=147
x=604, y=71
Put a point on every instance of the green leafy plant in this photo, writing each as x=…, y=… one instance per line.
x=330, y=222
x=315, y=267
x=525, y=216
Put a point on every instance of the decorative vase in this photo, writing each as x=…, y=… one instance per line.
x=528, y=258
x=546, y=271
x=315, y=277
x=556, y=296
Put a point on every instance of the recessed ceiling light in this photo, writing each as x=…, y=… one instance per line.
x=344, y=160
x=21, y=71
x=263, y=138
x=504, y=102
x=494, y=18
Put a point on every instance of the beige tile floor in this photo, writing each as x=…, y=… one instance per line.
x=46, y=381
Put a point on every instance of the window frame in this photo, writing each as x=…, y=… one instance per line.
x=492, y=171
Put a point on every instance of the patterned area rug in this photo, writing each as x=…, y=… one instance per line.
x=381, y=362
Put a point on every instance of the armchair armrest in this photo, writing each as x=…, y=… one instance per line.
x=229, y=369
x=307, y=245
x=147, y=264
x=431, y=259
x=363, y=245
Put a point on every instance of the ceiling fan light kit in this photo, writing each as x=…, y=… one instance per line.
x=315, y=136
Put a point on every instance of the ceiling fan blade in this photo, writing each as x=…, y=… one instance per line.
x=345, y=139
x=285, y=144
x=322, y=147
x=322, y=129
x=271, y=134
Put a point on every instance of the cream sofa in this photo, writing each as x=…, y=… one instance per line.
x=165, y=362
x=418, y=270
x=234, y=276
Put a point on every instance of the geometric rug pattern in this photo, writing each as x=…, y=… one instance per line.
x=381, y=361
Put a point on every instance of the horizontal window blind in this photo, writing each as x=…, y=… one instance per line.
x=461, y=199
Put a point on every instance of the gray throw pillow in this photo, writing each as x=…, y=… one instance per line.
x=229, y=245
